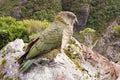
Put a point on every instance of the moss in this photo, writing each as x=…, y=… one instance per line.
x=104, y=52
x=1, y=75
x=117, y=30
x=16, y=58
x=3, y=52
x=3, y=61
x=8, y=78
x=74, y=57
x=97, y=75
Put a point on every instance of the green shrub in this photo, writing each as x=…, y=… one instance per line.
x=117, y=30
x=87, y=33
x=32, y=9
x=87, y=37
x=7, y=6
x=41, y=9
x=11, y=29
x=36, y=25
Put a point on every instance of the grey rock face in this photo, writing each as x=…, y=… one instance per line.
x=82, y=15
x=109, y=44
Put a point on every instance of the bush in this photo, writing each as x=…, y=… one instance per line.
x=36, y=25
x=30, y=9
x=41, y=9
x=11, y=29
x=117, y=30
x=87, y=36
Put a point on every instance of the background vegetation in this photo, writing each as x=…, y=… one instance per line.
x=30, y=9
x=11, y=29
x=102, y=12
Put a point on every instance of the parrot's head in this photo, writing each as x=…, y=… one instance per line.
x=66, y=17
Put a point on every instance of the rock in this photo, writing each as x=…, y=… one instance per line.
x=109, y=44
x=82, y=15
x=16, y=13
x=23, y=2
x=76, y=63
x=10, y=52
x=16, y=46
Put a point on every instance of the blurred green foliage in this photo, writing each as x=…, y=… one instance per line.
x=41, y=9
x=11, y=29
x=87, y=34
x=101, y=11
x=36, y=25
x=32, y=9
x=87, y=31
x=7, y=6
x=117, y=30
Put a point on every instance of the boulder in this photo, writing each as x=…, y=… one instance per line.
x=78, y=62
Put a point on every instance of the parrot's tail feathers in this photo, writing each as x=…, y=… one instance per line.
x=22, y=58
x=26, y=65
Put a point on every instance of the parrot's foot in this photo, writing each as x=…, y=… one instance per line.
x=42, y=61
x=52, y=63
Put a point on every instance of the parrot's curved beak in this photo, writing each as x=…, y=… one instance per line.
x=76, y=20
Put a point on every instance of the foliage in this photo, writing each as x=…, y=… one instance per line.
x=87, y=31
x=7, y=6
x=11, y=29
x=41, y=9
x=101, y=11
x=32, y=9
x=36, y=25
x=88, y=37
x=117, y=30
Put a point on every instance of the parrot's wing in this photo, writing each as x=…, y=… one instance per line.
x=30, y=44
x=49, y=39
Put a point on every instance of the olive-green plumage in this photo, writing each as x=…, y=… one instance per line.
x=49, y=39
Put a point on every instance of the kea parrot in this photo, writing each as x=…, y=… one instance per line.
x=56, y=35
